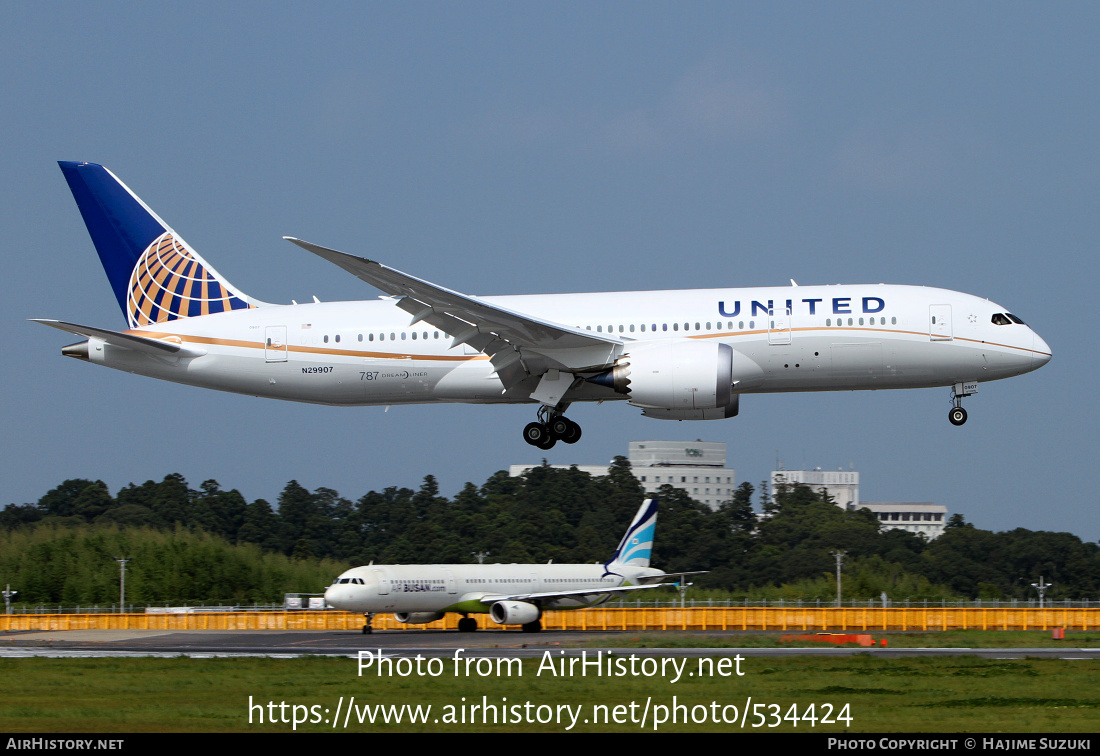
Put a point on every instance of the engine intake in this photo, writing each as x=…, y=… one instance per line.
x=514, y=612
x=417, y=618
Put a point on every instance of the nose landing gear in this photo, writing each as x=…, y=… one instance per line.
x=957, y=415
x=551, y=427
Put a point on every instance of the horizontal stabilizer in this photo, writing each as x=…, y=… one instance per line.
x=124, y=340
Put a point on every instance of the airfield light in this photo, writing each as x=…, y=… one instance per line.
x=122, y=561
x=1042, y=588
x=9, y=594
x=839, y=558
x=683, y=586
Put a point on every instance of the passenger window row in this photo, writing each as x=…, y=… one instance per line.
x=999, y=319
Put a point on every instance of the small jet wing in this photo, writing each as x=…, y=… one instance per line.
x=490, y=599
x=586, y=591
x=519, y=345
x=124, y=340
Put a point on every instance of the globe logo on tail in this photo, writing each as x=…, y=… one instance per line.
x=169, y=281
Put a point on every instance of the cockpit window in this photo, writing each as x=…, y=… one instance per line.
x=1001, y=319
x=1015, y=319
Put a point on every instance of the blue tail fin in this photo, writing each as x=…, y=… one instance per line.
x=155, y=275
x=637, y=545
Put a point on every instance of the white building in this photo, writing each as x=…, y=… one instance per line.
x=922, y=517
x=698, y=467
x=842, y=485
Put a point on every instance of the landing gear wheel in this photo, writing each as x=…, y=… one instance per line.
x=573, y=435
x=957, y=416
x=532, y=627
x=559, y=426
x=367, y=629
x=564, y=429
x=467, y=625
x=548, y=443
x=536, y=434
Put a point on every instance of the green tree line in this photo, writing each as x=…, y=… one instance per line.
x=214, y=541
x=74, y=564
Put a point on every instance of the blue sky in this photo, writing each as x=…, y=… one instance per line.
x=499, y=148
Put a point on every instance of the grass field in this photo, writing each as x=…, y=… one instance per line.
x=953, y=694
x=949, y=639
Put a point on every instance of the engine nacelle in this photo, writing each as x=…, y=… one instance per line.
x=719, y=413
x=417, y=618
x=514, y=612
x=678, y=377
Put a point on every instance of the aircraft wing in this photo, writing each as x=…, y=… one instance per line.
x=493, y=598
x=124, y=340
x=519, y=345
x=587, y=591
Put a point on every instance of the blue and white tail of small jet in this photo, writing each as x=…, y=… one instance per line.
x=637, y=544
x=676, y=355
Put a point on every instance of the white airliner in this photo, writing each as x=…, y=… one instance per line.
x=512, y=594
x=677, y=355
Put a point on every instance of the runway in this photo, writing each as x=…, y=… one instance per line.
x=432, y=643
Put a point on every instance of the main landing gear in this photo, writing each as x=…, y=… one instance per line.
x=550, y=428
x=467, y=625
x=367, y=629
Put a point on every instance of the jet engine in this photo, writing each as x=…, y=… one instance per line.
x=514, y=612
x=718, y=413
x=679, y=380
x=417, y=618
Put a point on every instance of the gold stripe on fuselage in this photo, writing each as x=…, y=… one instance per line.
x=471, y=357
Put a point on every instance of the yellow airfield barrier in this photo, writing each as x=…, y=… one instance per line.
x=612, y=618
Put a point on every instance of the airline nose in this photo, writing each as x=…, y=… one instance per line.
x=1040, y=351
